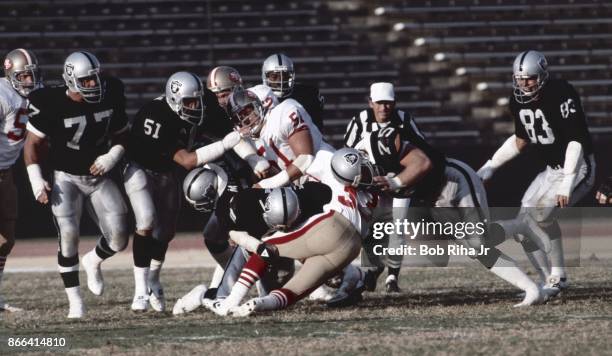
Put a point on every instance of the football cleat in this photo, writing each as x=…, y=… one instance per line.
x=391, y=285
x=321, y=294
x=8, y=308
x=350, y=290
x=95, y=282
x=532, y=297
x=555, y=285
x=245, y=309
x=157, y=299
x=216, y=306
x=190, y=301
x=76, y=310
x=140, y=303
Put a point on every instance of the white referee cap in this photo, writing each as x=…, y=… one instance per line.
x=382, y=92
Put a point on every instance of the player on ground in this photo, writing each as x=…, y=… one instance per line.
x=21, y=76
x=78, y=121
x=548, y=115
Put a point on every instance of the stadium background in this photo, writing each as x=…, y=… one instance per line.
x=450, y=60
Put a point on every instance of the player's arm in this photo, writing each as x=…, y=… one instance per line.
x=246, y=150
x=301, y=145
x=33, y=153
x=570, y=170
x=416, y=166
x=508, y=150
x=208, y=153
x=604, y=192
x=353, y=132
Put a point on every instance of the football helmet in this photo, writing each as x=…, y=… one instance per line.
x=184, y=95
x=246, y=112
x=82, y=75
x=203, y=186
x=20, y=62
x=529, y=65
x=352, y=167
x=281, y=208
x=277, y=72
x=223, y=78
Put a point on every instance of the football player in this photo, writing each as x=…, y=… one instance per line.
x=548, y=116
x=604, y=192
x=158, y=139
x=222, y=81
x=394, y=165
x=383, y=113
x=78, y=121
x=278, y=73
x=21, y=76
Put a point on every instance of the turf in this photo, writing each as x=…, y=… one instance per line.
x=463, y=310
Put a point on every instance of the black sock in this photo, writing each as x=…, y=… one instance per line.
x=70, y=278
x=141, y=250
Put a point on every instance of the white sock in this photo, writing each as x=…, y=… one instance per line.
x=95, y=258
x=539, y=260
x=141, y=285
x=506, y=269
x=74, y=295
x=154, y=272
x=556, y=258
x=239, y=291
x=216, y=277
x=274, y=301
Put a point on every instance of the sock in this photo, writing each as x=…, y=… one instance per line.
x=251, y=273
x=154, y=272
x=216, y=277
x=556, y=252
x=141, y=252
x=103, y=251
x=69, y=270
x=538, y=259
x=506, y=269
x=277, y=299
x=74, y=295
x=158, y=249
x=141, y=285
x=393, y=272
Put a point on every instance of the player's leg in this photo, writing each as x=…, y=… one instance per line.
x=8, y=215
x=108, y=210
x=67, y=207
x=139, y=191
x=396, y=241
x=167, y=203
x=216, y=239
x=371, y=263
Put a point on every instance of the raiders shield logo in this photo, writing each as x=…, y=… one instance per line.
x=69, y=69
x=175, y=86
x=351, y=158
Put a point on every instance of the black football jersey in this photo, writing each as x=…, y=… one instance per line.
x=156, y=134
x=552, y=121
x=382, y=143
x=243, y=210
x=311, y=100
x=216, y=123
x=78, y=132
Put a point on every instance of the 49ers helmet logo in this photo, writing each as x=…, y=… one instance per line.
x=234, y=77
x=175, y=86
x=351, y=158
x=8, y=64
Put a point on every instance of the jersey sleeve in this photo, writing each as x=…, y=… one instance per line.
x=39, y=117
x=119, y=120
x=571, y=114
x=353, y=132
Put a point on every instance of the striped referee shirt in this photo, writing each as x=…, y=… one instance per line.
x=365, y=122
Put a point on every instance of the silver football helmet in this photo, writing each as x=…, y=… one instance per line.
x=281, y=208
x=246, y=112
x=529, y=65
x=184, y=95
x=18, y=65
x=277, y=72
x=353, y=168
x=203, y=186
x=82, y=75
x=223, y=78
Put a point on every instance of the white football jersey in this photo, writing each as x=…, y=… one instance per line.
x=266, y=96
x=13, y=120
x=284, y=120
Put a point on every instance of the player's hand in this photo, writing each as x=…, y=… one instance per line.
x=41, y=195
x=486, y=171
x=40, y=187
x=387, y=183
x=603, y=198
x=104, y=163
x=562, y=201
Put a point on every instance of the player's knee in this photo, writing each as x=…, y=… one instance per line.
x=118, y=242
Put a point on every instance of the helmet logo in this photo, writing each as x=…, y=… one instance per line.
x=250, y=94
x=234, y=77
x=267, y=206
x=175, y=86
x=69, y=69
x=8, y=64
x=542, y=63
x=351, y=158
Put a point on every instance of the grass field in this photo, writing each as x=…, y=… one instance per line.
x=462, y=310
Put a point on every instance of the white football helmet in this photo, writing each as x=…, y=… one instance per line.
x=281, y=208
x=20, y=62
x=353, y=168
x=203, y=186
x=246, y=112
x=277, y=72
x=79, y=69
x=529, y=64
x=223, y=78
x=184, y=95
